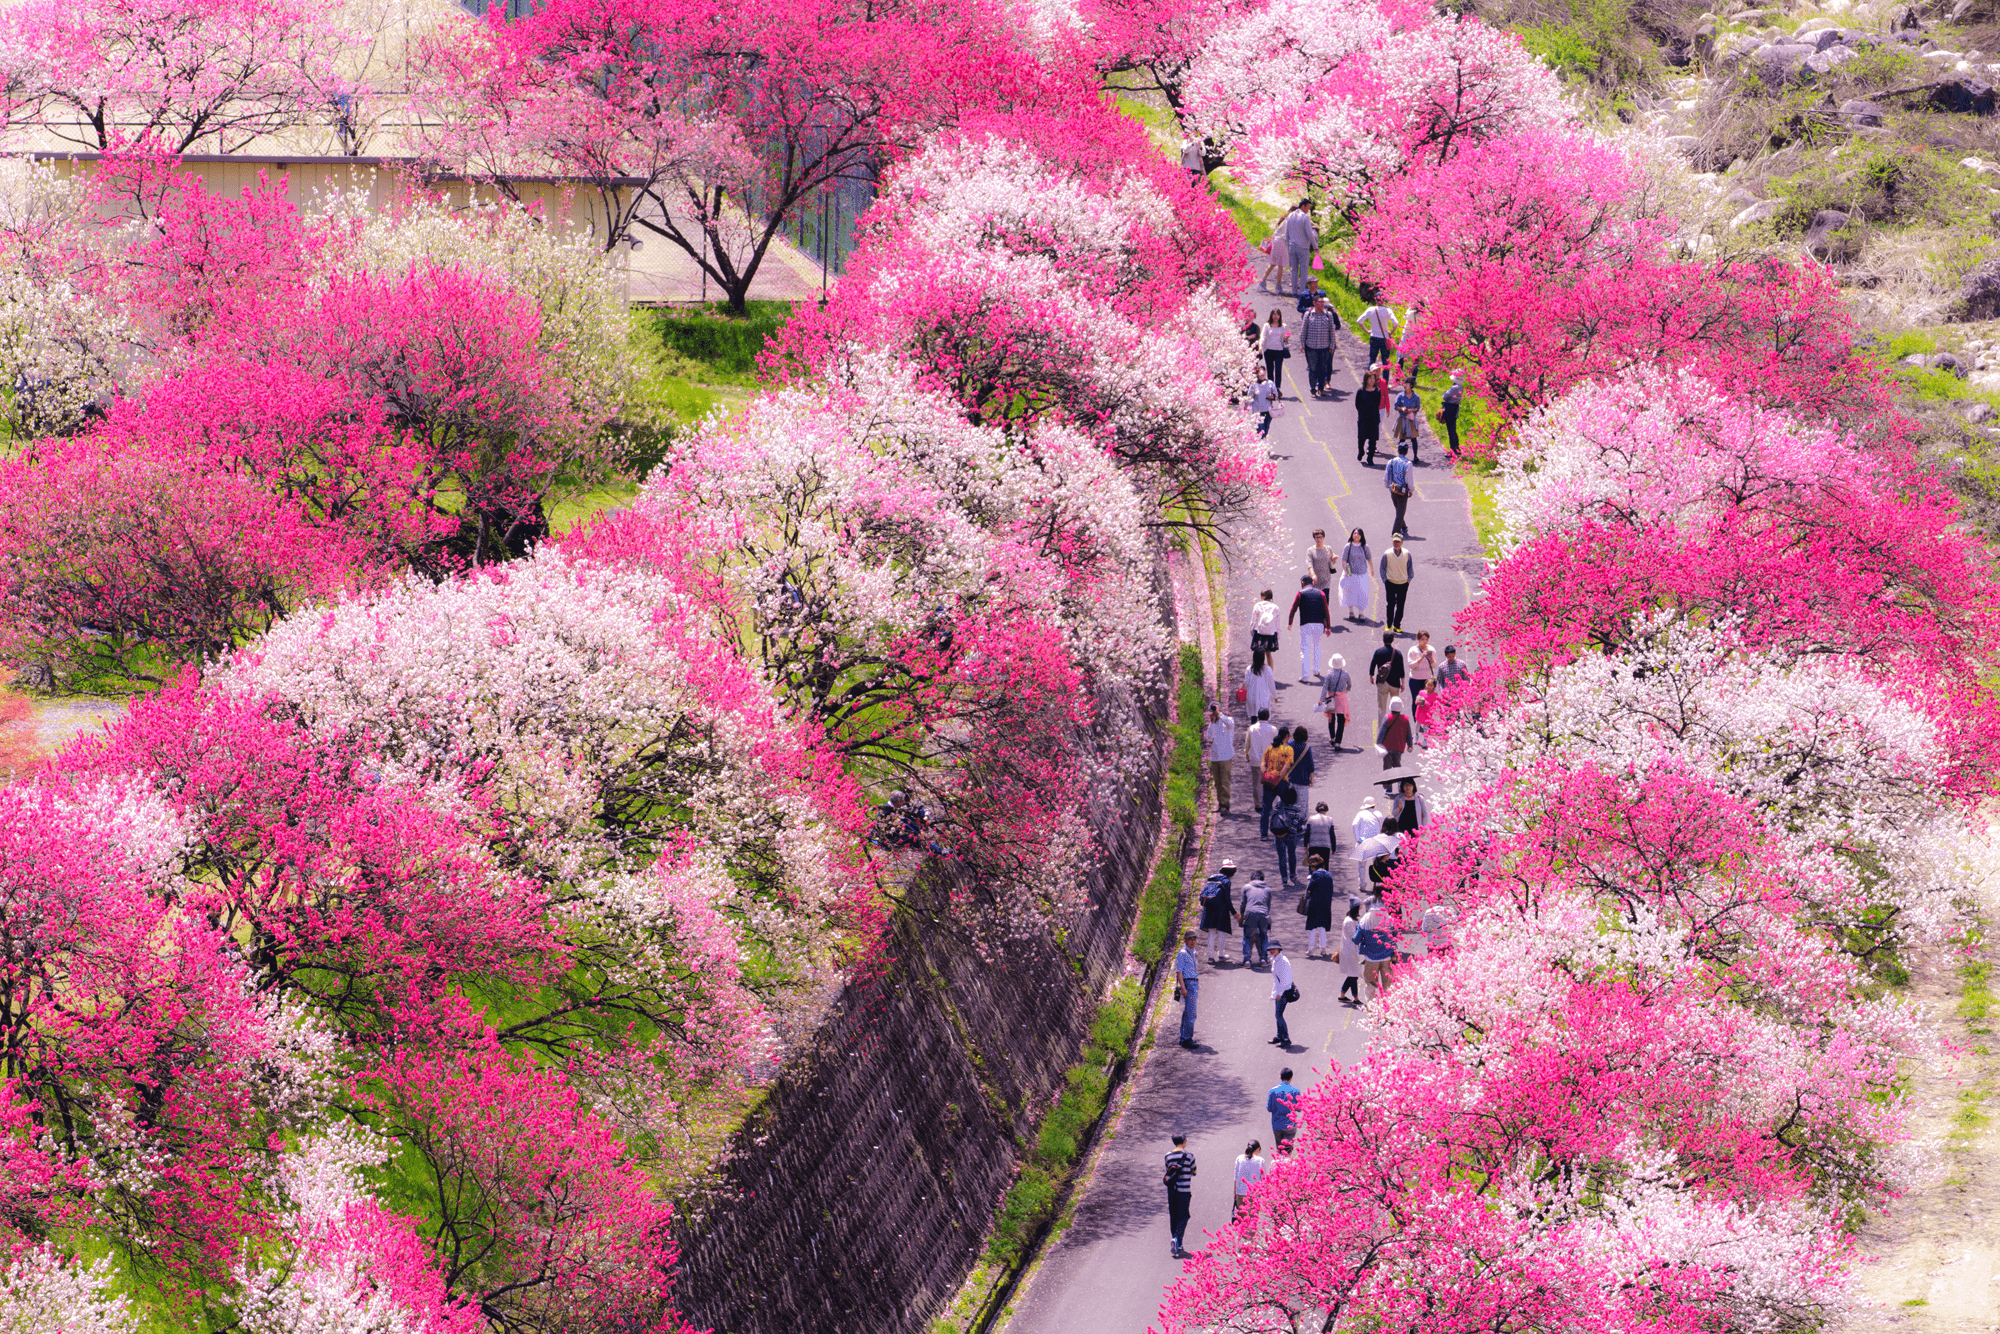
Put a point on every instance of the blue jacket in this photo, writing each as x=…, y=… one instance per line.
x=1397, y=473
x=1284, y=1096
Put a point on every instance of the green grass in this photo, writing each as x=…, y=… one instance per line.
x=1153, y=932
x=725, y=347
x=1031, y=1202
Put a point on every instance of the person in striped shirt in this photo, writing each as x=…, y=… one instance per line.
x=1179, y=1180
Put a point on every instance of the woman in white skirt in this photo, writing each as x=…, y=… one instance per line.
x=1350, y=957
x=1356, y=567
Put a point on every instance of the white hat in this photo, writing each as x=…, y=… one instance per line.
x=1396, y=704
x=1368, y=803
x=1338, y=661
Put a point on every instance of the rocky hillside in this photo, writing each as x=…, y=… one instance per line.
x=1858, y=133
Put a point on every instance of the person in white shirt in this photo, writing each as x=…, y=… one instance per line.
x=1421, y=670
x=1191, y=160
x=1281, y=992
x=1259, y=738
x=1380, y=322
x=1261, y=399
x=1219, y=748
x=1367, y=821
x=1277, y=342
x=1249, y=1168
x=1264, y=624
x=1260, y=684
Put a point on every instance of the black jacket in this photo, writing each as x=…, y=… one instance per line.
x=1392, y=659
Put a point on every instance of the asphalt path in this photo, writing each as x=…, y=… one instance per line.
x=1109, y=1269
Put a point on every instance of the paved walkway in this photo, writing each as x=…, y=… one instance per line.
x=1110, y=1268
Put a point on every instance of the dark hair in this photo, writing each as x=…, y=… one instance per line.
x=1266, y=594
x=1321, y=806
x=1388, y=639
x=1250, y=1149
x=1354, y=911
x=1285, y=1073
x=1361, y=533
x=1316, y=859
x=1299, y=734
x=1257, y=661
x=1402, y=446
x=1180, y=1139
x=1263, y=715
x=1305, y=579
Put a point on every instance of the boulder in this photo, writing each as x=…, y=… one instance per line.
x=1979, y=294
x=1857, y=112
x=1782, y=62
x=1960, y=10
x=1978, y=164
x=1831, y=240
x=1827, y=61
x=1964, y=95
x=1684, y=144
x=1978, y=412
x=1757, y=212
x=1810, y=26
x=1825, y=39
x=1945, y=361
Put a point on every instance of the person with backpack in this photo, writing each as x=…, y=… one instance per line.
x=1385, y=672
x=1321, y=838
x=1401, y=482
x=1288, y=825
x=1218, y=909
x=1277, y=768
x=1256, y=919
x=1179, y=1181
x=1350, y=957
x=1377, y=947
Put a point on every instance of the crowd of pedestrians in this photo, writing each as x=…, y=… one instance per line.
x=1338, y=887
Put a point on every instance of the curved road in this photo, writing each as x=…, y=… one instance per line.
x=1109, y=1269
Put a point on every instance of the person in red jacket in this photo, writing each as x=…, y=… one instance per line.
x=1393, y=737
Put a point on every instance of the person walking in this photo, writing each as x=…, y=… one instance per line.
x=1260, y=683
x=1378, y=950
x=1283, y=993
x=1422, y=668
x=1218, y=909
x=1218, y=742
x=1367, y=821
x=1288, y=826
x=1257, y=741
x=1187, y=986
x=1368, y=417
x=1179, y=1181
x=1319, y=903
x=1401, y=482
x=1249, y=1169
x=1448, y=412
x=1393, y=737
x=1381, y=323
x=1282, y=1102
x=1301, y=240
x=1350, y=957
x=1191, y=162
x=1385, y=671
x=1320, y=559
x=1398, y=568
x=1277, y=345
x=1321, y=836
x=1310, y=609
x=1333, y=699
x=1263, y=400
x=1408, y=812
x=1264, y=623
x=1372, y=859
x=1451, y=671
x=1322, y=322
x=1274, y=258
x=1409, y=411
x=1304, y=767
x=1255, y=919
x=1357, y=566
x=1275, y=766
